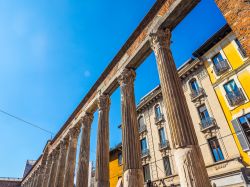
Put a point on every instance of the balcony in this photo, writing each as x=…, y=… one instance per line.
x=142, y=128
x=207, y=124
x=159, y=118
x=221, y=67
x=164, y=144
x=235, y=97
x=144, y=153
x=197, y=93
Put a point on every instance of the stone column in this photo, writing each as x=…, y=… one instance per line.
x=237, y=14
x=83, y=160
x=71, y=157
x=131, y=152
x=64, y=144
x=102, y=155
x=33, y=179
x=40, y=176
x=187, y=153
x=52, y=174
x=47, y=171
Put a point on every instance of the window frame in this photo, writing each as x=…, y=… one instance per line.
x=211, y=149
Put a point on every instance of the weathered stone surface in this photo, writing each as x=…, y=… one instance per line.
x=52, y=175
x=102, y=151
x=83, y=161
x=132, y=168
x=191, y=167
x=237, y=14
x=47, y=170
x=71, y=157
x=64, y=145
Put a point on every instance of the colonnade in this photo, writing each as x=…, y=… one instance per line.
x=59, y=168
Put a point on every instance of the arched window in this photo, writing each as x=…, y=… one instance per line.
x=194, y=86
x=141, y=121
x=158, y=111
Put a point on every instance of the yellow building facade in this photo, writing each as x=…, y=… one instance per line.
x=229, y=70
x=115, y=165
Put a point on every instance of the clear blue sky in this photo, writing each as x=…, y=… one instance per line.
x=51, y=53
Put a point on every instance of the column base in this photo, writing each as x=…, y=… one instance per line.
x=102, y=184
x=190, y=167
x=133, y=177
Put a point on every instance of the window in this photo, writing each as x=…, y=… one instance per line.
x=144, y=148
x=215, y=149
x=234, y=94
x=220, y=64
x=157, y=111
x=204, y=115
x=146, y=172
x=217, y=59
x=241, y=127
x=120, y=158
x=240, y=48
x=194, y=86
x=245, y=125
x=162, y=135
x=144, y=145
x=141, y=121
x=231, y=87
x=167, y=166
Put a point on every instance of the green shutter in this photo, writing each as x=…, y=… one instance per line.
x=240, y=134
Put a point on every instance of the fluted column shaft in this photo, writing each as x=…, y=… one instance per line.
x=132, y=168
x=40, y=176
x=52, y=174
x=71, y=157
x=102, y=154
x=83, y=160
x=36, y=177
x=47, y=171
x=189, y=161
x=64, y=145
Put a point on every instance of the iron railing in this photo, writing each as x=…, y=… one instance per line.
x=197, y=93
x=235, y=97
x=207, y=123
x=164, y=144
x=221, y=67
x=159, y=118
x=144, y=152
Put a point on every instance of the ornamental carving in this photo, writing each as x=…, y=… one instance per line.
x=127, y=77
x=86, y=119
x=103, y=102
x=160, y=39
x=74, y=132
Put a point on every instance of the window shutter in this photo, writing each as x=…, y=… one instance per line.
x=240, y=134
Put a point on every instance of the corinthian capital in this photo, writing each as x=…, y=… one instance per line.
x=86, y=119
x=160, y=39
x=74, y=132
x=103, y=102
x=64, y=143
x=127, y=76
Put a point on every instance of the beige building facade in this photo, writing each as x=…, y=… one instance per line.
x=219, y=150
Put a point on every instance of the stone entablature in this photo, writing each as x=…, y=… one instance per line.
x=152, y=35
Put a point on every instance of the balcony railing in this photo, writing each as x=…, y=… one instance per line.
x=221, y=67
x=207, y=123
x=142, y=128
x=144, y=153
x=164, y=144
x=197, y=93
x=235, y=97
x=159, y=118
